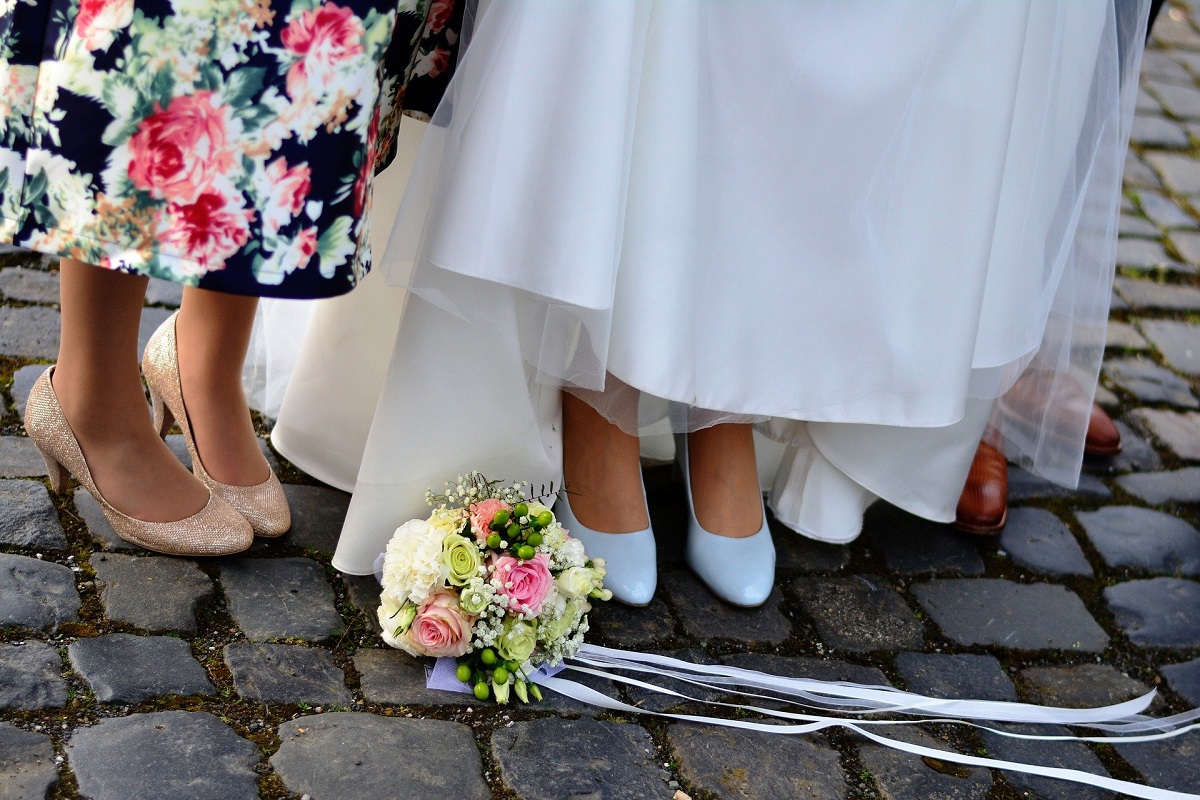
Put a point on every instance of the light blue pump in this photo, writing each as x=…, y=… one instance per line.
x=629, y=557
x=739, y=571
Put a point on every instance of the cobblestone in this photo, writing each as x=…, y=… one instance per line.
x=858, y=614
x=29, y=332
x=1178, y=431
x=1145, y=294
x=98, y=526
x=28, y=518
x=914, y=546
x=1159, y=612
x=29, y=285
x=1164, y=212
x=1170, y=764
x=706, y=617
x=163, y=754
x=1179, y=342
x=613, y=760
x=1127, y=536
x=30, y=677
x=629, y=627
x=1144, y=254
x=22, y=385
x=353, y=757
x=956, y=676
x=1188, y=245
x=1150, y=383
x=1184, y=680
x=393, y=677
x=1136, y=452
x=1036, y=539
x=990, y=611
x=154, y=593
x=1024, y=485
x=19, y=458
x=1065, y=755
x=121, y=668
x=1156, y=488
x=1125, y=336
x=286, y=673
x=1179, y=172
x=275, y=598
x=35, y=593
x=317, y=516
x=901, y=776
x=1082, y=686
x=1158, y=132
x=748, y=765
x=27, y=770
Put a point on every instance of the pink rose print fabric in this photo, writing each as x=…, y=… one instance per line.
x=226, y=144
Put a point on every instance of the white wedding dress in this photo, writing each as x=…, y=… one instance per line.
x=854, y=224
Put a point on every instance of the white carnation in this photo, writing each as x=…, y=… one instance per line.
x=412, y=565
x=571, y=553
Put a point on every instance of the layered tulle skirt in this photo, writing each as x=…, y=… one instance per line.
x=856, y=225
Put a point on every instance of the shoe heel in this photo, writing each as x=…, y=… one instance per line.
x=57, y=472
x=163, y=419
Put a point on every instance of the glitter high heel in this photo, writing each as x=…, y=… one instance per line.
x=216, y=530
x=264, y=505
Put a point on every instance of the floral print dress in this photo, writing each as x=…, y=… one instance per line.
x=226, y=144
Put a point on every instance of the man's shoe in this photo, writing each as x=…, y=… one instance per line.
x=1103, y=439
x=983, y=505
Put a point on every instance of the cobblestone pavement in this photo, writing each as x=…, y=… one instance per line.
x=128, y=675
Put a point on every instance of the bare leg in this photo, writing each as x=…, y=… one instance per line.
x=725, y=480
x=602, y=470
x=213, y=334
x=100, y=391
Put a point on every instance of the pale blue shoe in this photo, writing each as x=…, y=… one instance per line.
x=739, y=571
x=629, y=558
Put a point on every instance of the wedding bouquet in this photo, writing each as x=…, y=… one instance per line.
x=490, y=578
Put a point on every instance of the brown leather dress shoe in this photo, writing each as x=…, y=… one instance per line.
x=983, y=505
x=1103, y=439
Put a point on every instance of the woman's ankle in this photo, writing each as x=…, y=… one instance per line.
x=726, y=496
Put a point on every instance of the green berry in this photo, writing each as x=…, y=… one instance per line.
x=513, y=531
x=463, y=673
x=525, y=552
x=520, y=510
x=500, y=675
x=482, y=692
x=534, y=539
x=493, y=541
x=501, y=519
x=488, y=656
x=544, y=519
x=511, y=666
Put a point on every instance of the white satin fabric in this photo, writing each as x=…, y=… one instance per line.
x=855, y=223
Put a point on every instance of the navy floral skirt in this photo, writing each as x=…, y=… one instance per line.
x=226, y=144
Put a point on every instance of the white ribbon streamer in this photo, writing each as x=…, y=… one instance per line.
x=863, y=700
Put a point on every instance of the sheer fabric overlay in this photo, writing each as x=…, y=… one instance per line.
x=859, y=243
x=845, y=231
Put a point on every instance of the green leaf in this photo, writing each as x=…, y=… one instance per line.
x=335, y=246
x=244, y=85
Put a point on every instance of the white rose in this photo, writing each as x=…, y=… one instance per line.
x=575, y=582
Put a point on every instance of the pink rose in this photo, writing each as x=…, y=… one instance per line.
x=433, y=63
x=482, y=514
x=209, y=230
x=321, y=39
x=98, y=20
x=440, y=629
x=178, y=151
x=527, y=582
x=362, y=186
x=440, y=13
x=289, y=189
